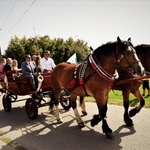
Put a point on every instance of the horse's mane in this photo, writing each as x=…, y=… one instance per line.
x=143, y=48
x=110, y=47
x=105, y=49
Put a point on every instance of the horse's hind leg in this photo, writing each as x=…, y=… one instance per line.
x=76, y=113
x=82, y=105
x=135, y=110
x=56, y=96
x=127, y=119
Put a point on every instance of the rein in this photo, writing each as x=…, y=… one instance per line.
x=130, y=80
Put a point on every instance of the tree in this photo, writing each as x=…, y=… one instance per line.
x=60, y=49
x=15, y=50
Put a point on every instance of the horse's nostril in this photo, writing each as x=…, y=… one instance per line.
x=139, y=71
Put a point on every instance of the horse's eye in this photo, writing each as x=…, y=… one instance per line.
x=128, y=52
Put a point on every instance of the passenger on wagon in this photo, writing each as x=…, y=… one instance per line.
x=2, y=74
x=8, y=67
x=47, y=63
x=15, y=68
x=38, y=64
x=28, y=69
x=34, y=59
x=2, y=64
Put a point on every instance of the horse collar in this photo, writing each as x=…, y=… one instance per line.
x=101, y=71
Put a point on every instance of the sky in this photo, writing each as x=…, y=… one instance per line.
x=94, y=21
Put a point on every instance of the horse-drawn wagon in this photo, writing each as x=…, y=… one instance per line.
x=12, y=87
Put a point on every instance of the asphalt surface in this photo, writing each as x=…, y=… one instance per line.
x=18, y=132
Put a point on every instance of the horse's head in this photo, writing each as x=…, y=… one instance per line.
x=128, y=57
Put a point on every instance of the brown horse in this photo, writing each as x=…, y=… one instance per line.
x=95, y=77
x=143, y=53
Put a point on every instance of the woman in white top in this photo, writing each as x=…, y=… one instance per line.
x=15, y=68
x=2, y=64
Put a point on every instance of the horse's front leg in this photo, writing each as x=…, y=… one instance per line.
x=127, y=119
x=76, y=113
x=102, y=116
x=136, y=110
x=106, y=129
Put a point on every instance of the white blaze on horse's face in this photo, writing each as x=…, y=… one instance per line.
x=136, y=63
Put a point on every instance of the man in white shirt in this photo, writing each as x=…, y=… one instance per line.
x=47, y=63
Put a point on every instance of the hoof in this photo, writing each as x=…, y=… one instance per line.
x=59, y=121
x=92, y=123
x=81, y=124
x=109, y=135
x=132, y=113
x=52, y=112
x=129, y=124
x=84, y=113
x=96, y=119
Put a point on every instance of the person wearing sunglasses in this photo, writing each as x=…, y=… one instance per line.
x=28, y=70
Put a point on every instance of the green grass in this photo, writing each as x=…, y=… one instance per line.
x=115, y=97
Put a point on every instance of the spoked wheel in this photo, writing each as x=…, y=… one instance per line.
x=31, y=108
x=7, y=102
x=65, y=101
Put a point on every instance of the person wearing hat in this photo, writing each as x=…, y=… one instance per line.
x=47, y=63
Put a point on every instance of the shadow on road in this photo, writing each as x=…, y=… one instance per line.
x=44, y=133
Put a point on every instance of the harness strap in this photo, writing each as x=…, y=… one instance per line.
x=78, y=80
x=101, y=71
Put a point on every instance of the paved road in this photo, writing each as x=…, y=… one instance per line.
x=17, y=131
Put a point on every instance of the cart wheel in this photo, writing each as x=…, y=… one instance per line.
x=31, y=108
x=7, y=103
x=65, y=102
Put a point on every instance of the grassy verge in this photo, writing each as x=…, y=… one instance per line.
x=115, y=97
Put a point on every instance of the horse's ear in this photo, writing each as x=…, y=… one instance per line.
x=118, y=39
x=91, y=48
x=129, y=39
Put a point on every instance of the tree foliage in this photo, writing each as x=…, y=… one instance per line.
x=60, y=49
